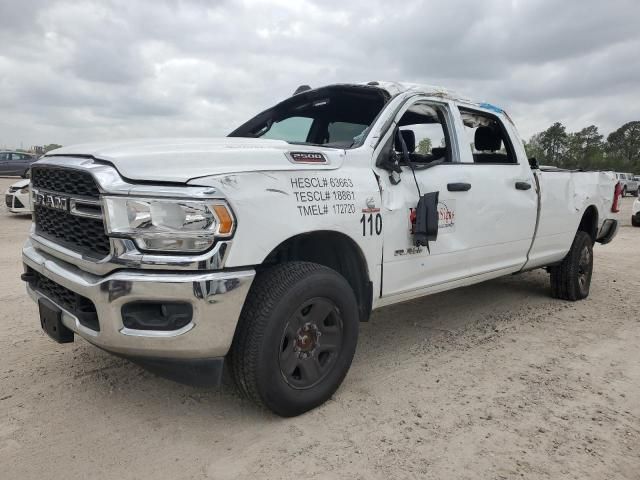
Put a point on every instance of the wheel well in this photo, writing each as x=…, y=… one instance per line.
x=589, y=222
x=334, y=250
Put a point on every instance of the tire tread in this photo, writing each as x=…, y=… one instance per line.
x=564, y=283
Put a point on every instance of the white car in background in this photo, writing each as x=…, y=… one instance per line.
x=630, y=184
x=17, y=197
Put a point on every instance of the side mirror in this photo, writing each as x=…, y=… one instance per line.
x=533, y=163
x=426, y=228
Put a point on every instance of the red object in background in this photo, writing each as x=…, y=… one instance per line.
x=617, y=194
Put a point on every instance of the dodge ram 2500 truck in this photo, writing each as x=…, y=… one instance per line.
x=263, y=250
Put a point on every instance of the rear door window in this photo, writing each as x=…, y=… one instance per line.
x=487, y=138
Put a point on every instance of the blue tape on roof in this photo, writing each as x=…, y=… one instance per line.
x=493, y=108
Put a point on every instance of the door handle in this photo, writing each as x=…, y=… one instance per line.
x=523, y=185
x=458, y=187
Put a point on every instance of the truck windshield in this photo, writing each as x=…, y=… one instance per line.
x=336, y=116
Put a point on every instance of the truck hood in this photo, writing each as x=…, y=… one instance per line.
x=183, y=159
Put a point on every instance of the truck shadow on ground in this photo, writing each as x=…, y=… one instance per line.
x=391, y=330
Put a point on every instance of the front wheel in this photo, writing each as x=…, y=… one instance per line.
x=296, y=337
x=635, y=220
x=572, y=278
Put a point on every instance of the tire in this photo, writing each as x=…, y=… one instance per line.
x=296, y=337
x=572, y=278
x=624, y=191
x=635, y=220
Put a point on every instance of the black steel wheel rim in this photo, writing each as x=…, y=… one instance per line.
x=584, y=268
x=311, y=343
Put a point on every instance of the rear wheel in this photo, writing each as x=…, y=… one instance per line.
x=624, y=191
x=635, y=220
x=572, y=278
x=296, y=337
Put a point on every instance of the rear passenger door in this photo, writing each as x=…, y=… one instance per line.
x=504, y=203
x=18, y=163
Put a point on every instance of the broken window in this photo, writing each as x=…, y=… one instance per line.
x=424, y=132
x=336, y=116
x=487, y=138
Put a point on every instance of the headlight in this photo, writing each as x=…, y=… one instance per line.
x=168, y=225
x=25, y=190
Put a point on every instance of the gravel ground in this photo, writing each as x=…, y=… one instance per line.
x=492, y=381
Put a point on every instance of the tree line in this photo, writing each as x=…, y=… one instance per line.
x=587, y=149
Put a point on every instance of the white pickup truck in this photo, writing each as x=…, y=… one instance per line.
x=265, y=249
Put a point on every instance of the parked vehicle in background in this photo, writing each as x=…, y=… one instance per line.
x=17, y=197
x=635, y=212
x=264, y=250
x=629, y=183
x=16, y=163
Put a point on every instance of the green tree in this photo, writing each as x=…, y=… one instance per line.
x=623, y=147
x=424, y=146
x=51, y=146
x=554, y=142
x=534, y=148
x=585, y=149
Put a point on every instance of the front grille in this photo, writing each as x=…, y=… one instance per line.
x=64, y=180
x=8, y=199
x=17, y=203
x=79, y=306
x=81, y=234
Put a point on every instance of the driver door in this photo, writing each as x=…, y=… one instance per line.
x=408, y=270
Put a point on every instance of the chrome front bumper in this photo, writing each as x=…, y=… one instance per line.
x=216, y=297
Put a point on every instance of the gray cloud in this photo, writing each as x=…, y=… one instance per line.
x=80, y=71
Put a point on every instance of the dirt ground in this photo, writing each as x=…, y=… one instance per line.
x=492, y=381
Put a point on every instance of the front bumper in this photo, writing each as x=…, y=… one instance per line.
x=216, y=297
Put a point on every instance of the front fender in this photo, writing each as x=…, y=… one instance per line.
x=271, y=207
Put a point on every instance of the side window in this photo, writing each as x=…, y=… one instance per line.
x=487, y=138
x=293, y=129
x=424, y=131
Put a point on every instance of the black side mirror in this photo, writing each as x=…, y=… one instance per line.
x=426, y=228
x=533, y=163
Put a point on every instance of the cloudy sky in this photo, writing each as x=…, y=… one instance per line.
x=76, y=71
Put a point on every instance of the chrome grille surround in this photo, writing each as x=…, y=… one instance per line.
x=123, y=253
